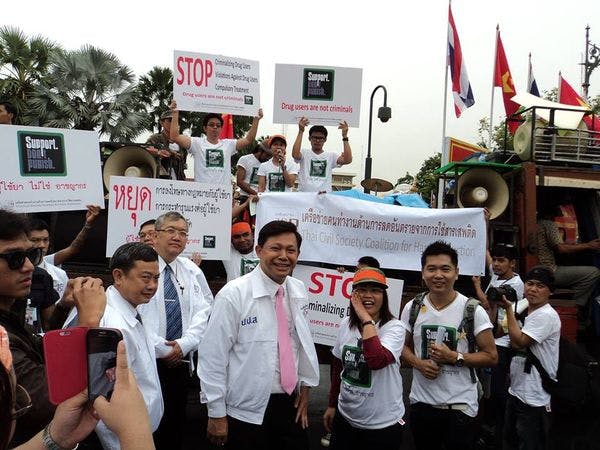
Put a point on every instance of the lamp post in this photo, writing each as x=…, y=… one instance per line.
x=384, y=113
x=592, y=60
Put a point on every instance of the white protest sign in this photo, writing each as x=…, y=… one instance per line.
x=339, y=231
x=326, y=95
x=206, y=207
x=216, y=84
x=329, y=294
x=49, y=169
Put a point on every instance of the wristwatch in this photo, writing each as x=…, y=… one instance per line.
x=368, y=322
x=49, y=442
x=460, y=359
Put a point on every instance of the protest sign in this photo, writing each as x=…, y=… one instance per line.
x=206, y=207
x=329, y=294
x=326, y=95
x=340, y=232
x=216, y=84
x=49, y=169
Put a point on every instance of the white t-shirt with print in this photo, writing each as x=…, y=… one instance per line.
x=315, y=170
x=453, y=384
x=238, y=264
x=517, y=284
x=543, y=326
x=250, y=164
x=370, y=399
x=212, y=162
x=274, y=181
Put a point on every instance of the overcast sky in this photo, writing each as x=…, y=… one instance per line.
x=402, y=48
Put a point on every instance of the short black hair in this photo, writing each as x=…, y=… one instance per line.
x=36, y=224
x=503, y=251
x=8, y=106
x=127, y=254
x=275, y=228
x=211, y=116
x=439, y=248
x=369, y=261
x=317, y=129
x=13, y=225
x=148, y=222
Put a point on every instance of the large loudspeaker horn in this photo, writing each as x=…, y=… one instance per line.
x=483, y=188
x=129, y=161
x=522, y=139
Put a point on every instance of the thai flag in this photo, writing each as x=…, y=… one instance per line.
x=532, y=86
x=461, y=87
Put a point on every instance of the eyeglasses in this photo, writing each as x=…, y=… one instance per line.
x=317, y=138
x=22, y=402
x=172, y=232
x=370, y=290
x=16, y=259
x=213, y=125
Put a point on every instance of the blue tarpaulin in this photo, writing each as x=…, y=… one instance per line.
x=412, y=200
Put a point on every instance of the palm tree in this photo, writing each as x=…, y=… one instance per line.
x=23, y=64
x=89, y=89
x=153, y=94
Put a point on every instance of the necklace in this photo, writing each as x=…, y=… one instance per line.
x=439, y=308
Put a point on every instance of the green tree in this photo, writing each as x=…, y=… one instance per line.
x=23, y=64
x=407, y=179
x=426, y=179
x=88, y=89
x=153, y=94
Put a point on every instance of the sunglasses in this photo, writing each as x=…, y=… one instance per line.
x=16, y=259
x=23, y=402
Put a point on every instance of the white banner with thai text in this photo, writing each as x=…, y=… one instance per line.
x=329, y=294
x=339, y=230
x=206, y=207
x=49, y=169
x=216, y=83
x=326, y=95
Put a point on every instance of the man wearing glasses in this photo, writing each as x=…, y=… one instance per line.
x=175, y=318
x=316, y=164
x=18, y=257
x=212, y=156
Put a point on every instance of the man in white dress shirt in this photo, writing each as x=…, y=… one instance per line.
x=176, y=318
x=257, y=357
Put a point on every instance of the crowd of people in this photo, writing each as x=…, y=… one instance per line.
x=251, y=347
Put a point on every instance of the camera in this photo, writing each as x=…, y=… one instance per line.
x=494, y=294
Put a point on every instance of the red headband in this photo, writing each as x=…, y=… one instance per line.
x=240, y=227
x=369, y=275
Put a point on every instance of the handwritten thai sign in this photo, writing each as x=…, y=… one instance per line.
x=340, y=232
x=206, y=207
x=49, y=169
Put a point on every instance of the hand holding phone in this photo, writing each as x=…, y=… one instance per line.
x=102, y=361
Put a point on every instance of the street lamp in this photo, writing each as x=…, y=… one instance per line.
x=384, y=113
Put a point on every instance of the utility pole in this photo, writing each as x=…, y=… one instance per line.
x=592, y=60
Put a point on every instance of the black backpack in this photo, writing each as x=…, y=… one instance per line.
x=578, y=379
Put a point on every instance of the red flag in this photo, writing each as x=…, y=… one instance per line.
x=503, y=79
x=227, y=129
x=568, y=96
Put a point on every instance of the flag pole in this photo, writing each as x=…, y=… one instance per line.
x=529, y=74
x=446, y=78
x=493, y=86
x=559, y=85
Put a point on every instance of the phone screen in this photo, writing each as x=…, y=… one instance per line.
x=102, y=361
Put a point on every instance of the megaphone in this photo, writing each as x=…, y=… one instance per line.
x=483, y=188
x=129, y=161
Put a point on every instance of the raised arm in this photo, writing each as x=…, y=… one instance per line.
x=296, y=154
x=247, y=140
x=180, y=139
x=346, y=156
x=75, y=246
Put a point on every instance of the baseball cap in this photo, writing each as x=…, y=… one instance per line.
x=277, y=136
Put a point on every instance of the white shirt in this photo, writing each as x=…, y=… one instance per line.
x=59, y=277
x=238, y=264
x=274, y=181
x=212, y=162
x=195, y=308
x=517, y=284
x=370, y=399
x=316, y=170
x=250, y=163
x=206, y=292
x=119, y=313
x=238, y=355
x=453, y=384
x=543, y=326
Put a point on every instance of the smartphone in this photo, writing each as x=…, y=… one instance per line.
x=101, y=361
x=66, y=368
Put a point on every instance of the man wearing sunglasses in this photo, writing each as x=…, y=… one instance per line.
x=18, y=257
x=316, y=164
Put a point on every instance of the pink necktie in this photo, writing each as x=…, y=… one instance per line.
x=287, y=365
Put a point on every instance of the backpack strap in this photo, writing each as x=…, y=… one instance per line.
x=468, y=326
x=534, y=360
x=415, y=309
